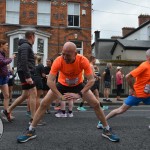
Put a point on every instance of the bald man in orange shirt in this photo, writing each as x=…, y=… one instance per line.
x=70, y=87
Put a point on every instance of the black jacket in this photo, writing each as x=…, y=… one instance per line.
x=25, y=62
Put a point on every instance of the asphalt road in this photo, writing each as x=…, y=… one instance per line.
x=80, y=132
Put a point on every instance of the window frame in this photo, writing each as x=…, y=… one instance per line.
x=72, y=15
x=43, y=13
x=17, y=12
x=78, y=49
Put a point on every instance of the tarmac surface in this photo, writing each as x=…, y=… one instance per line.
x=80, y=132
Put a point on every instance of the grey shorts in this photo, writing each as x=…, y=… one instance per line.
x=107, y=84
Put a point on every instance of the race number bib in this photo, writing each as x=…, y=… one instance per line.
x=147, y=88
x=71, y=82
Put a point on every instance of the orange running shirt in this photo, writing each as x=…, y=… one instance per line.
x=142, y=76
x=71, y=74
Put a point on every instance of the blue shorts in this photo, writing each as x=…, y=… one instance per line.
x=3, y=80
x=134, y=101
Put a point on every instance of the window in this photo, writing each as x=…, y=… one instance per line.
x=40, y=47
x=43, y=13
x=73, y=14
x=79, y=46
x=12, y=11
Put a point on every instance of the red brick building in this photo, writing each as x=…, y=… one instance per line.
x=54, y=23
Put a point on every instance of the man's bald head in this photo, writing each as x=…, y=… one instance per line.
x=69, y=52
x=70, y=46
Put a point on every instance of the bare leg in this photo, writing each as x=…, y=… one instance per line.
x=70, y=105
x=5, y=92
x=118, y=111
x=19, y=100
x=39, y=93
x=33, y=96
x=91, y=99
x=42, y=108
x=63, y=105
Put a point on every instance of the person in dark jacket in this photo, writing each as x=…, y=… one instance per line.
x=25, y=69
x=4, y=71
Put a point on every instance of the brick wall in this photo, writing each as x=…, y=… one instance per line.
x=59, y=31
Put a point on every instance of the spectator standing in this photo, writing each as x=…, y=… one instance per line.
x=119, y=81
x=107, y=82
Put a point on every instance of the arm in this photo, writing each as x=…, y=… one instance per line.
x=52, y=84
x=5, y=61
x=129, y=79
x=24, y=60
x=89, y=84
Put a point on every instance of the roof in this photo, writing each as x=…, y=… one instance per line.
x=132, y=44
x=143, y=25
x=103, y=49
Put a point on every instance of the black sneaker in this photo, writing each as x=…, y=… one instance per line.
x=104, y=99
x=27, y=136
x=109, y=135
x=108, y=100
x=6, y=115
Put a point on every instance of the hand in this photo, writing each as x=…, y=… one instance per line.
x=13, y=56
x=131, y=92
x=29, y=81
x=71, y=96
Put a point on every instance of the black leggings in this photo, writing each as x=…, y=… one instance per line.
x=119, y=87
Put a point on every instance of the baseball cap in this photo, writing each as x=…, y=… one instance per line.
x=119, y=67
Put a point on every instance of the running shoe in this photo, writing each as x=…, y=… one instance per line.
x=109, y=135
x=81, y=109
x=99, y=125
x=41, y=123
x=104, y=99
x=27, y=136
x=6, y=115
x=48, y=111
x=108, y=100
x=105, y=107
x=60, y=115
x=70, y=115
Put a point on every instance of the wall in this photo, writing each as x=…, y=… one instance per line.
x=59, y=30
x=142, y=34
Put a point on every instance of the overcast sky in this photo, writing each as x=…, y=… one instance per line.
x=110, y=24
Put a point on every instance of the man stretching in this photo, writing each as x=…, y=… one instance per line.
x=69, y=87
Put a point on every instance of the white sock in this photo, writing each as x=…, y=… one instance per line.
x=31, y=128
x=107, y=127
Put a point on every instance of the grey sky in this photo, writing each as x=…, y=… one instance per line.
x=111, y=24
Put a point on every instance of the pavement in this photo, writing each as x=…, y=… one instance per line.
x=76, y=103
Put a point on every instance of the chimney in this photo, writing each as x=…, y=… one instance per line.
x=143, y=18
x=97, y=35
x=127, y=30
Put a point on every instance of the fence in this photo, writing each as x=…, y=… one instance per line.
x=125, y=88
